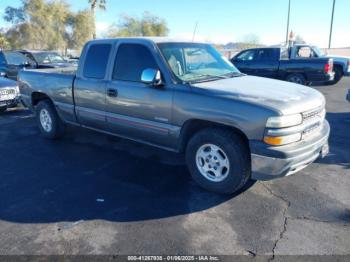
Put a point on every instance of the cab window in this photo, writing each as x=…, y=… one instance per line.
x=304, y=52
x=130, y=62
x=96, y=61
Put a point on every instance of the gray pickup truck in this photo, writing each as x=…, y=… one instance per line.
x=184, y=97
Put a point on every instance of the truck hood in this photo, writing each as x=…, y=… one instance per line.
x=6, y=83
x=283, y=97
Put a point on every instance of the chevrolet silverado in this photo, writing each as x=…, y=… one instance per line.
x=184, y=97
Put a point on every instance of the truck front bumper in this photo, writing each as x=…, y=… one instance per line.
x=272, y=162
x=10, y=103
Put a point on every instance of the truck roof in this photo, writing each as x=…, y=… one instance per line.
x=155, y=40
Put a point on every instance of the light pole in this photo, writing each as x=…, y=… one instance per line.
x=287, y=34
x=194, y=31
x=331, y=31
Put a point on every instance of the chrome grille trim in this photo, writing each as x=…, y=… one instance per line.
x=315, y=114
x=7, y=91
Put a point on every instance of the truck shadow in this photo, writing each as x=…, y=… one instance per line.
x=339, y=139
x=89, y=176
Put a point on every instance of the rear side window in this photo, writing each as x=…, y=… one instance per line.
x=131, y=60
x=96, y=61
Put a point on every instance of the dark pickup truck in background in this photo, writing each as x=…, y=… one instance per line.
x=46, y=59
x=283, y=63
x=11, y=62
x=341, y=64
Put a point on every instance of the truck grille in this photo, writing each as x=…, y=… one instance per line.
x=7, y=92
x=313, y=120
x=315, y=115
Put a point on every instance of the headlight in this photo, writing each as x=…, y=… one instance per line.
x=284, y=121
x=2, y=73
x=282, y=140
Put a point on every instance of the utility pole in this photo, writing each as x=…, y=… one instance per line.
x=331, y=31
x=194, y=31
x=287, y=34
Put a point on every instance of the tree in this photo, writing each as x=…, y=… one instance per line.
x=38, y=24
x=81, y=28
x=147, y=25
x=48, y=24
x=299, y=40
x=4, y=43
x=101, y=4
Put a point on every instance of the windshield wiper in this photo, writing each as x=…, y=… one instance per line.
x=213, y=76
x=233, y=74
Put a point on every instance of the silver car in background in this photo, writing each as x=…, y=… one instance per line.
x=9, y=94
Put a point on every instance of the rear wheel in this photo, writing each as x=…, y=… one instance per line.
x=296, y=78
x=338, y=74
x=50, y=124
x=3, y=109
x=218, y=160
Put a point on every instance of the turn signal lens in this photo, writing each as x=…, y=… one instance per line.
x=282, y=140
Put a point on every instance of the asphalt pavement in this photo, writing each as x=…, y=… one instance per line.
x=95, y=194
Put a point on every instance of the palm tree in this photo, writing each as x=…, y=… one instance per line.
x=100, y=4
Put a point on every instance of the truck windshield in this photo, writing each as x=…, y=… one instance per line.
x=193, y=62
x=318, y=51
x=15, y=58
x=48, y=57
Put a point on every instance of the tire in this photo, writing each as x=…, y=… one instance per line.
x=296, y=78
x=338, y=75
x=3, y=109
x=231, y=147
x=50, y=124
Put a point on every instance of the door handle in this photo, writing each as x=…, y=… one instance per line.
x=112, y=92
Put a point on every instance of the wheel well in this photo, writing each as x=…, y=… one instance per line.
x=37, y=97
x=340, y=68
x=193, y=126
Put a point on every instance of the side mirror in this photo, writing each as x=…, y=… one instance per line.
x=151, y=77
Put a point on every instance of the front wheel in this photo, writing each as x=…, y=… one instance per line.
x=50, y=124
x=297, y=79
x=218, y=160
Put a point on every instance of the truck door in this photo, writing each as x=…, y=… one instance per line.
x=243, y=61
x=134, y=109
x=90, y=86
x=265, y=63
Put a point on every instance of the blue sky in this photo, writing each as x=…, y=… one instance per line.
x=222, y=21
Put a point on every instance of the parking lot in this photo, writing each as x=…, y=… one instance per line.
x=95, y=194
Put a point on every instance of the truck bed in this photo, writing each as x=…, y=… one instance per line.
x=57, y=83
